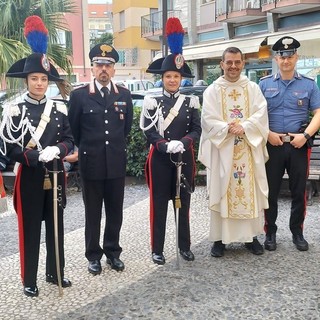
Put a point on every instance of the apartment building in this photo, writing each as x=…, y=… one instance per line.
x=99, y=18
x=135, y=51
x=123, y=19
x=252, y=25
x=92, y=19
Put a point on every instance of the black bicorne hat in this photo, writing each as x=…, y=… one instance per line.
x=36, y=62
x=175, y=60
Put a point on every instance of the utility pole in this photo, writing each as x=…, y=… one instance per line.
x=164, y=21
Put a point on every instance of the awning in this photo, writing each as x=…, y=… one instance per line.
x=304, y=34
x=246, y=45
x=215, y=49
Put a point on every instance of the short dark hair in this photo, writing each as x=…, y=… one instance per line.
x=231, y=50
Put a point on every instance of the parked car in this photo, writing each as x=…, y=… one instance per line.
x=135, y=85
x=194, y=90
x=187, y=90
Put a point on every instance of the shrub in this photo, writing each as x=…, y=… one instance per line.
x=137, y=148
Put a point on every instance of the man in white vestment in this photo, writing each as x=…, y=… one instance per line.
x=235, y=129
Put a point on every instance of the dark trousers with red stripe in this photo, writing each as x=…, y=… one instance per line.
x=162, y=177
x=296, y=162
x=36, y=206
x=109, y=192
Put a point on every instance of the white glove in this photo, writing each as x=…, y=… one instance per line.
x=175, y=146
x=179, y=148
x=49, y=153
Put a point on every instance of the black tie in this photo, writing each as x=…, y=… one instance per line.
x=106, y=92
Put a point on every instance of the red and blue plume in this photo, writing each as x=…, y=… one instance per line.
x=36, y=34
x=175, y=33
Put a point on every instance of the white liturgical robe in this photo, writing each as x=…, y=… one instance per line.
x=237, y=182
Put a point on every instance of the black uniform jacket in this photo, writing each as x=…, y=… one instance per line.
x=100, y=129
x=57, y=133
x=185, y=127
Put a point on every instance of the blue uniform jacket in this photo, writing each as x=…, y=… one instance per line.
x=289, y=101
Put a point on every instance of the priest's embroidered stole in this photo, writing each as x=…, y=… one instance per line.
x=241, y=190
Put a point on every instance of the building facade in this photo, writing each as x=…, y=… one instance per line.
x=253, y=26
x=135, y=51
x=99, y=19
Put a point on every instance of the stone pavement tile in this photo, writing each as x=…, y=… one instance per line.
x=277, y=285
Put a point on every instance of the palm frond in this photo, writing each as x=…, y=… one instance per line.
x=11, y=51
x=12, y=16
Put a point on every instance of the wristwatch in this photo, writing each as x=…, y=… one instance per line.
x=306, y=135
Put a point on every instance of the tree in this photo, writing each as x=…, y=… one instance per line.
x=13, y=45
x=105, y=38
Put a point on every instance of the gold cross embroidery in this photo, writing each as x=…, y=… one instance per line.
x=234, y=94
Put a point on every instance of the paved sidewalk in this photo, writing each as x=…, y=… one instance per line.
x=277, y=285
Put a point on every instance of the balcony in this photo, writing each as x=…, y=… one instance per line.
x=151, y=24
x=239, y=11
x=288, y=6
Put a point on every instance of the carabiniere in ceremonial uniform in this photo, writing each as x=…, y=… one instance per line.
x=36, y=132
x=171, y=123
x=101, y=116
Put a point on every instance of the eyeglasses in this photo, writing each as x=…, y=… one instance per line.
x=230, y=63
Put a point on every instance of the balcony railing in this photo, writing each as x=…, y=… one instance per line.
x=228, y=6
x=151, y=24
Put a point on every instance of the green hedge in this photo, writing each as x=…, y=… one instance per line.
x=138, y=148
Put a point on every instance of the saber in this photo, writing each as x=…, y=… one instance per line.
x=55, y=223
x=178, y=203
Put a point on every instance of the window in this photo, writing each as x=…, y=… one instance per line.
x=61, y=37
x=122, y=20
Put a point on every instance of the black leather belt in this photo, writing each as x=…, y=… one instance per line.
x=286, y=138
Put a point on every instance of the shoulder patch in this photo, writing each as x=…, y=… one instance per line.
x=12, y=110
x=266, y=77
x=81, y=86
x=61, y=107
x=121, y=87
x=194, y=102
x=150, y=103
x=306, y=77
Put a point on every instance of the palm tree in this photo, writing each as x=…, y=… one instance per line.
x=12, y=42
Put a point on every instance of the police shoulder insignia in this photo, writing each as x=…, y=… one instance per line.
x=266, y=77
x=80, y=86
x=306, y=77
x=149, y=103
x=194, y=102
x=121, y=87
x=61, y=107
x=11, y=110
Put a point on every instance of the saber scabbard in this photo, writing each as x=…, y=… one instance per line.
x=178, y=203
x=55, y=224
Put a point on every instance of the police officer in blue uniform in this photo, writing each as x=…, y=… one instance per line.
x=291, y=98
x=171, y=123
x=100, y=115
